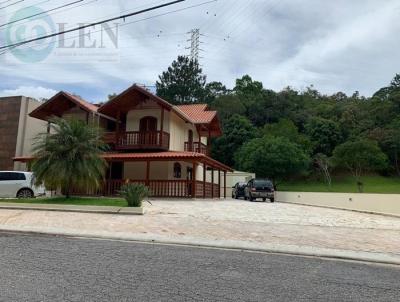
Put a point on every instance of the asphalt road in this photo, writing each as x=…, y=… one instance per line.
x=45, y=268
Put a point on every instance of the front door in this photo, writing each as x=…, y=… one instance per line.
x=148, y=131
x=148, y=123
x=115, y=175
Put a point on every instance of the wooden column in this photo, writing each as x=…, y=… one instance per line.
x=162, y=126
x=107, y=191
x=219, y=183
x=48, y=127
x=224, y=184
x=209, y=142
x=110, y=170
x=212, y=182
x=199, y=146
x=147, y=173
x=194, y=180
x=204, y=179
x=117, y=127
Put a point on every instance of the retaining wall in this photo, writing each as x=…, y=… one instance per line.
x=388, y=204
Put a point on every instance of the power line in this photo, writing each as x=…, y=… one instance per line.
x=272, y=4
x=125, y=24
x=30, y=6
x=57, y=12
x=41, y=13
x=12, y=4
x=123, y=17
x=3, y=2
x=87, y=3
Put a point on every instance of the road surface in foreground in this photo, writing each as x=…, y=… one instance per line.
x=46, y=268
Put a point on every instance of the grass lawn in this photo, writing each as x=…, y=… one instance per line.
x=81, y=201
x=372, y=184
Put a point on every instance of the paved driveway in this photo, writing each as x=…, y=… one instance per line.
x=229, y=222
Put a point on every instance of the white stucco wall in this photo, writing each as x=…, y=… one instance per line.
x=165, y=171
x=374, y=203
x=137, y=170
x=149, y=108
x=179, y=132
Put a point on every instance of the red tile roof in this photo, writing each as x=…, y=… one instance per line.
x=52, y=107
x=82, y=102
x=198, y=113
x=157, y=155
x=168, y=155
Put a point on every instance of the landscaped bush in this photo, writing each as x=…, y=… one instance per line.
x=134, y=194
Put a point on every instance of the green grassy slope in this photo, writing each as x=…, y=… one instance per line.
x=372, y=184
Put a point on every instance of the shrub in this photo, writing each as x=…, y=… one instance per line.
x=276, y=158
x=134, y=194
x=359, y=157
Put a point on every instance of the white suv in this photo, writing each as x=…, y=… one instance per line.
x=19, y=184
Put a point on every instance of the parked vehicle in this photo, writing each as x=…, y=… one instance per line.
x=238, y=190
x=260, y=188
x=19, y=184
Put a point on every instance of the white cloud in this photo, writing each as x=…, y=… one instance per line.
x=336, y=45
x=29, y=91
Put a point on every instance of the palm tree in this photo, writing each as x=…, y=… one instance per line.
x=70, y=156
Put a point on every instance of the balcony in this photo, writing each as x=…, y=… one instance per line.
x=138, y=140
x=196, y=147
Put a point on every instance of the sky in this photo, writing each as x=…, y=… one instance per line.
x=339, y=45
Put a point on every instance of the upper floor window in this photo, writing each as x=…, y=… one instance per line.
x=177, y=170
x=148, y=123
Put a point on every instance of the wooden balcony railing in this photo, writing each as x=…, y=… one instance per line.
x=109, y=137
x=158, y=188
x=211, y=190
x=138, y=140
x=196, y=147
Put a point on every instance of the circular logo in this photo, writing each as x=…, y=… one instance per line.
x=26, y=24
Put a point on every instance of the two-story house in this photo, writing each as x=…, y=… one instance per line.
x=151, y=141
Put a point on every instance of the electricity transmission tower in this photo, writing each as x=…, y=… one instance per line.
x=194, y=44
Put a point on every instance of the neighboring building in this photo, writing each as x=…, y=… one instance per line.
x=233, y=178
x=152, y=142
x=17, y=129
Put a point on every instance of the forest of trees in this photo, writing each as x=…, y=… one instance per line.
x=291, y=133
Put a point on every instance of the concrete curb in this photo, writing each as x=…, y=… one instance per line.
x=378, y=258
x=72, y=208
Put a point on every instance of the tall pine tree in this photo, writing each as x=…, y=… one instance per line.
x=183, y=82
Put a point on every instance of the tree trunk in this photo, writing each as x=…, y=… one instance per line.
x=396, y=163
x=68, y=190
x=360, y=186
